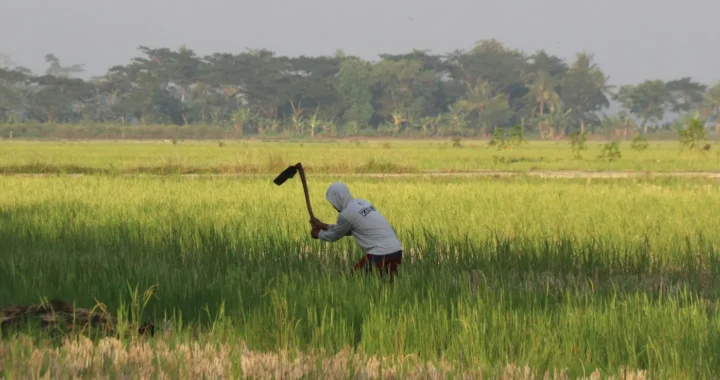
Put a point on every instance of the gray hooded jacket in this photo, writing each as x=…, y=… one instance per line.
x=358, y=217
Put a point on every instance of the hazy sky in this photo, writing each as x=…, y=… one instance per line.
x=632, y=40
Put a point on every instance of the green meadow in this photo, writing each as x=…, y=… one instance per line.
x=516, y=277
x=344, y=156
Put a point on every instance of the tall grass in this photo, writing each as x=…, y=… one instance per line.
x=573, y=274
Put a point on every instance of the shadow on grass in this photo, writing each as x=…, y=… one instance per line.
x=266, y=284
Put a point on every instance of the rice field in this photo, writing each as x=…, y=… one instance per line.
x=343, y=157
x=516, y=277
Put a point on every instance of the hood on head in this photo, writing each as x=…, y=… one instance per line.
x=338, y=195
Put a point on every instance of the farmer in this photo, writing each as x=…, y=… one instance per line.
x=372, y=232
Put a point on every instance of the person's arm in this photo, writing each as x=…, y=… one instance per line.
x=316, y=223
x=334, y=232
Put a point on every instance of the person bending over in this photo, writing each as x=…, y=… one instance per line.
x=372, y=232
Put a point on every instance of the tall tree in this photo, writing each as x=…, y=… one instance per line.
x=506, y=71
x=404, y=87
x=444, y=91
x=685, y=94
x=311, y=85
x=476, y=98
x=647, y=101
x=223, y=78
x=584, y=89
x=552, y=65
x=57, y=70
x=58, y=98
x=11, y=94
x=354, y=90
x=172, y=73
x=543, y=94
x=264, y=81
x=496, y=113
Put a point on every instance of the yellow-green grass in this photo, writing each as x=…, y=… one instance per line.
x=576, y=274
x=395, y=156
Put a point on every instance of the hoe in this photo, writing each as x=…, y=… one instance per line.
x=290, y=173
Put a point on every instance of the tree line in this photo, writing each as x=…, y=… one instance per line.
x=461, y=93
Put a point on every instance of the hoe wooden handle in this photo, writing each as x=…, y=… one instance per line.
x=305, y=188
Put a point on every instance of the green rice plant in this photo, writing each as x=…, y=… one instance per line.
x=500, y=275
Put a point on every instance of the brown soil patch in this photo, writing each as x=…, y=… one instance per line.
x=57, y=316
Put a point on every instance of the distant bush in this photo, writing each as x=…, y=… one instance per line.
x=578, y=143
x=610, y=151
x=639, y=143
x=692, y=135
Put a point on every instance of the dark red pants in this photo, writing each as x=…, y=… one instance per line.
x=385, y=264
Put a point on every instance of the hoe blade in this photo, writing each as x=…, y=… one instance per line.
x=285, y=175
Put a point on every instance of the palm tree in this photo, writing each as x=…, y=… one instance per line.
x=477, y=98
x=558, y=121
x=313, y=122
x=542, y=92
x=429, y=123
x=456, y=121
x=585, y=87
x=398, y=120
